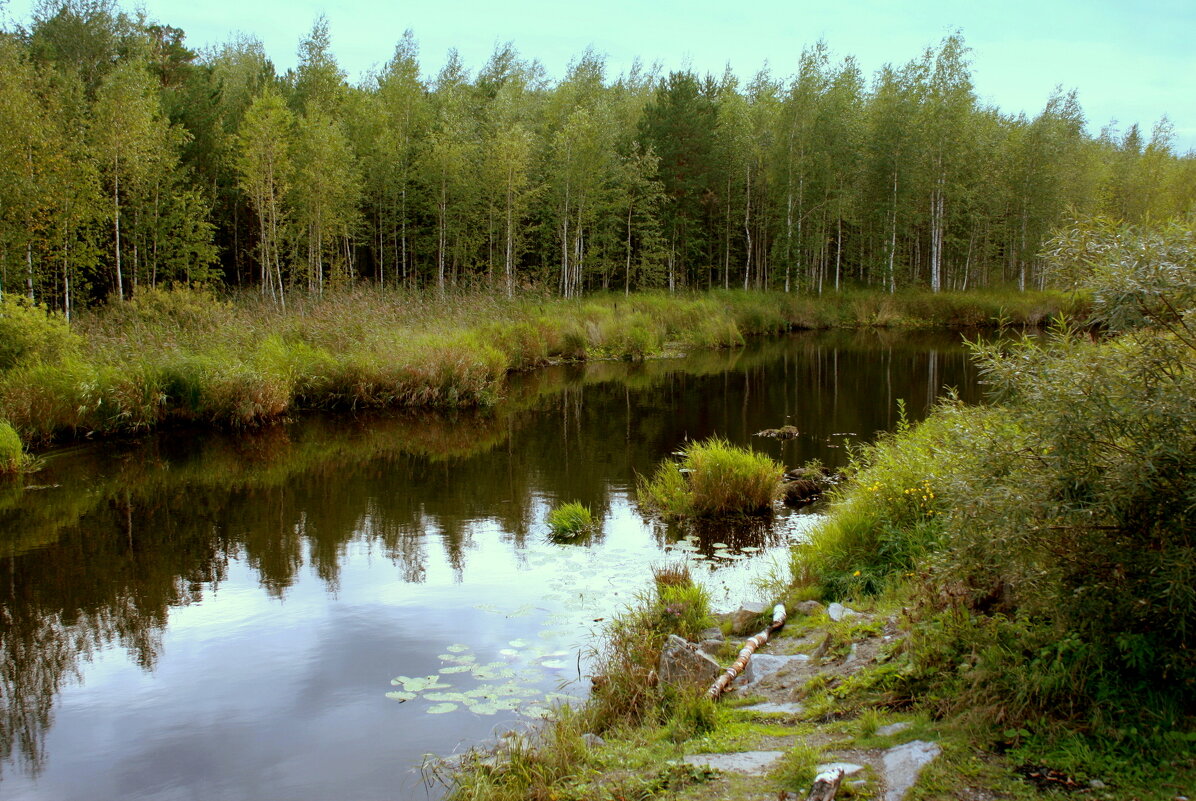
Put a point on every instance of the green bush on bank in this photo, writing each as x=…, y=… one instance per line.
x=13, y=458
x=712, y=477
x=1047, y=539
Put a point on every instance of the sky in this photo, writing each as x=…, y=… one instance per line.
x=1129, y=62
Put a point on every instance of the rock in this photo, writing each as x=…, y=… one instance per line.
x=753, y=763
x=710, y=646
x=784, y=432
x=838, y=611
x=1097, y=784
x=682, y=663
x=769, y=708
x=592, y=740
x=809, y=608
x=893, y=728
x=746, y=618
x=761, y=666
x=823, y=648
x=902, y=765
x=848, y=768
x=712, y=633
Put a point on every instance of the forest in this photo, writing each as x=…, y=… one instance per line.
x=129, y=160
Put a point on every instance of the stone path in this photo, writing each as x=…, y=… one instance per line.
x=779, y=673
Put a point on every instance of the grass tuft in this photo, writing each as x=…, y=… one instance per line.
x=570, y=522
x=713, y=478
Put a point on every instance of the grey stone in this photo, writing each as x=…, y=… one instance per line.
x=712, y=633
x=592, y=740
x=893, y=728
x=848, y=768
x=761, y=666
x=769, y=708
x=682, y=663
x=746, y=618
x=838, y=611
x=710, y=646
x=903, y=763
x=809, y=608
x=1097, y=784
x=753, y=763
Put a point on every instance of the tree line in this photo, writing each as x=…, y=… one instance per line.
x=128, y=159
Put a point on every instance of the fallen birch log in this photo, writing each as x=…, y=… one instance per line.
x=826, y=784
x=745, y=654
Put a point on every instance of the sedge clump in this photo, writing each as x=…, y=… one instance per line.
x=712, y=478
x=570, y=522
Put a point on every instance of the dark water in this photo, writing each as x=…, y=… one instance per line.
x=223, y=616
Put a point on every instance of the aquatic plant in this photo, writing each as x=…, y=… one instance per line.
x=570, y=521
x=712, y=477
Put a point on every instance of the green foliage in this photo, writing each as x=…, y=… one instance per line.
x=1050, y=534
x=712, y=477
x=570, y=521
x=12, y=453
x=31, y=332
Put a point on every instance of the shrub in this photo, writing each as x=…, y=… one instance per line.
x=30, y=331
x=570, y=521
x=12, y=454
x=1051, y=534
x=713, y=478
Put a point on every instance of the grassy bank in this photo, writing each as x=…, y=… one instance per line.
x=1025, y=570
x=1043, y=545
x=186, y=355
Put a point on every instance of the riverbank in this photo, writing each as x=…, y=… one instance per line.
x=187, y=356
x=1023, y=572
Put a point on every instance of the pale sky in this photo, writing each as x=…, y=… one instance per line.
x=1131, y=62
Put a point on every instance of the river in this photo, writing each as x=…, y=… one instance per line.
x=305, y=611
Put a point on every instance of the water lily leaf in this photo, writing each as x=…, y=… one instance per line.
x=534, y=711
x=440, y=709
x=454, y=697
x=509, y=652
x=484, y=709
x=457, y=648
x=554, y=664
x=400, y=696
x=518, y=643
x=456, y=669
x=419, y=685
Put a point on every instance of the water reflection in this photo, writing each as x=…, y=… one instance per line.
x=114, y=545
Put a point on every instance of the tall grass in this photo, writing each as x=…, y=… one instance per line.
x=570, y=521
x=13, y=458
x=711, y=478
x=186, y=355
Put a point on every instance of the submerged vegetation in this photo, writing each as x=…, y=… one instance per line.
x=186, y=355
x=712, y=478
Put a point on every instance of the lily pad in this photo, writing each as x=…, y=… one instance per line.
x=440, y=709
x=554, y=664
x=457, y=648
x=456, y=669
x=518, y=643
x=400, y=696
